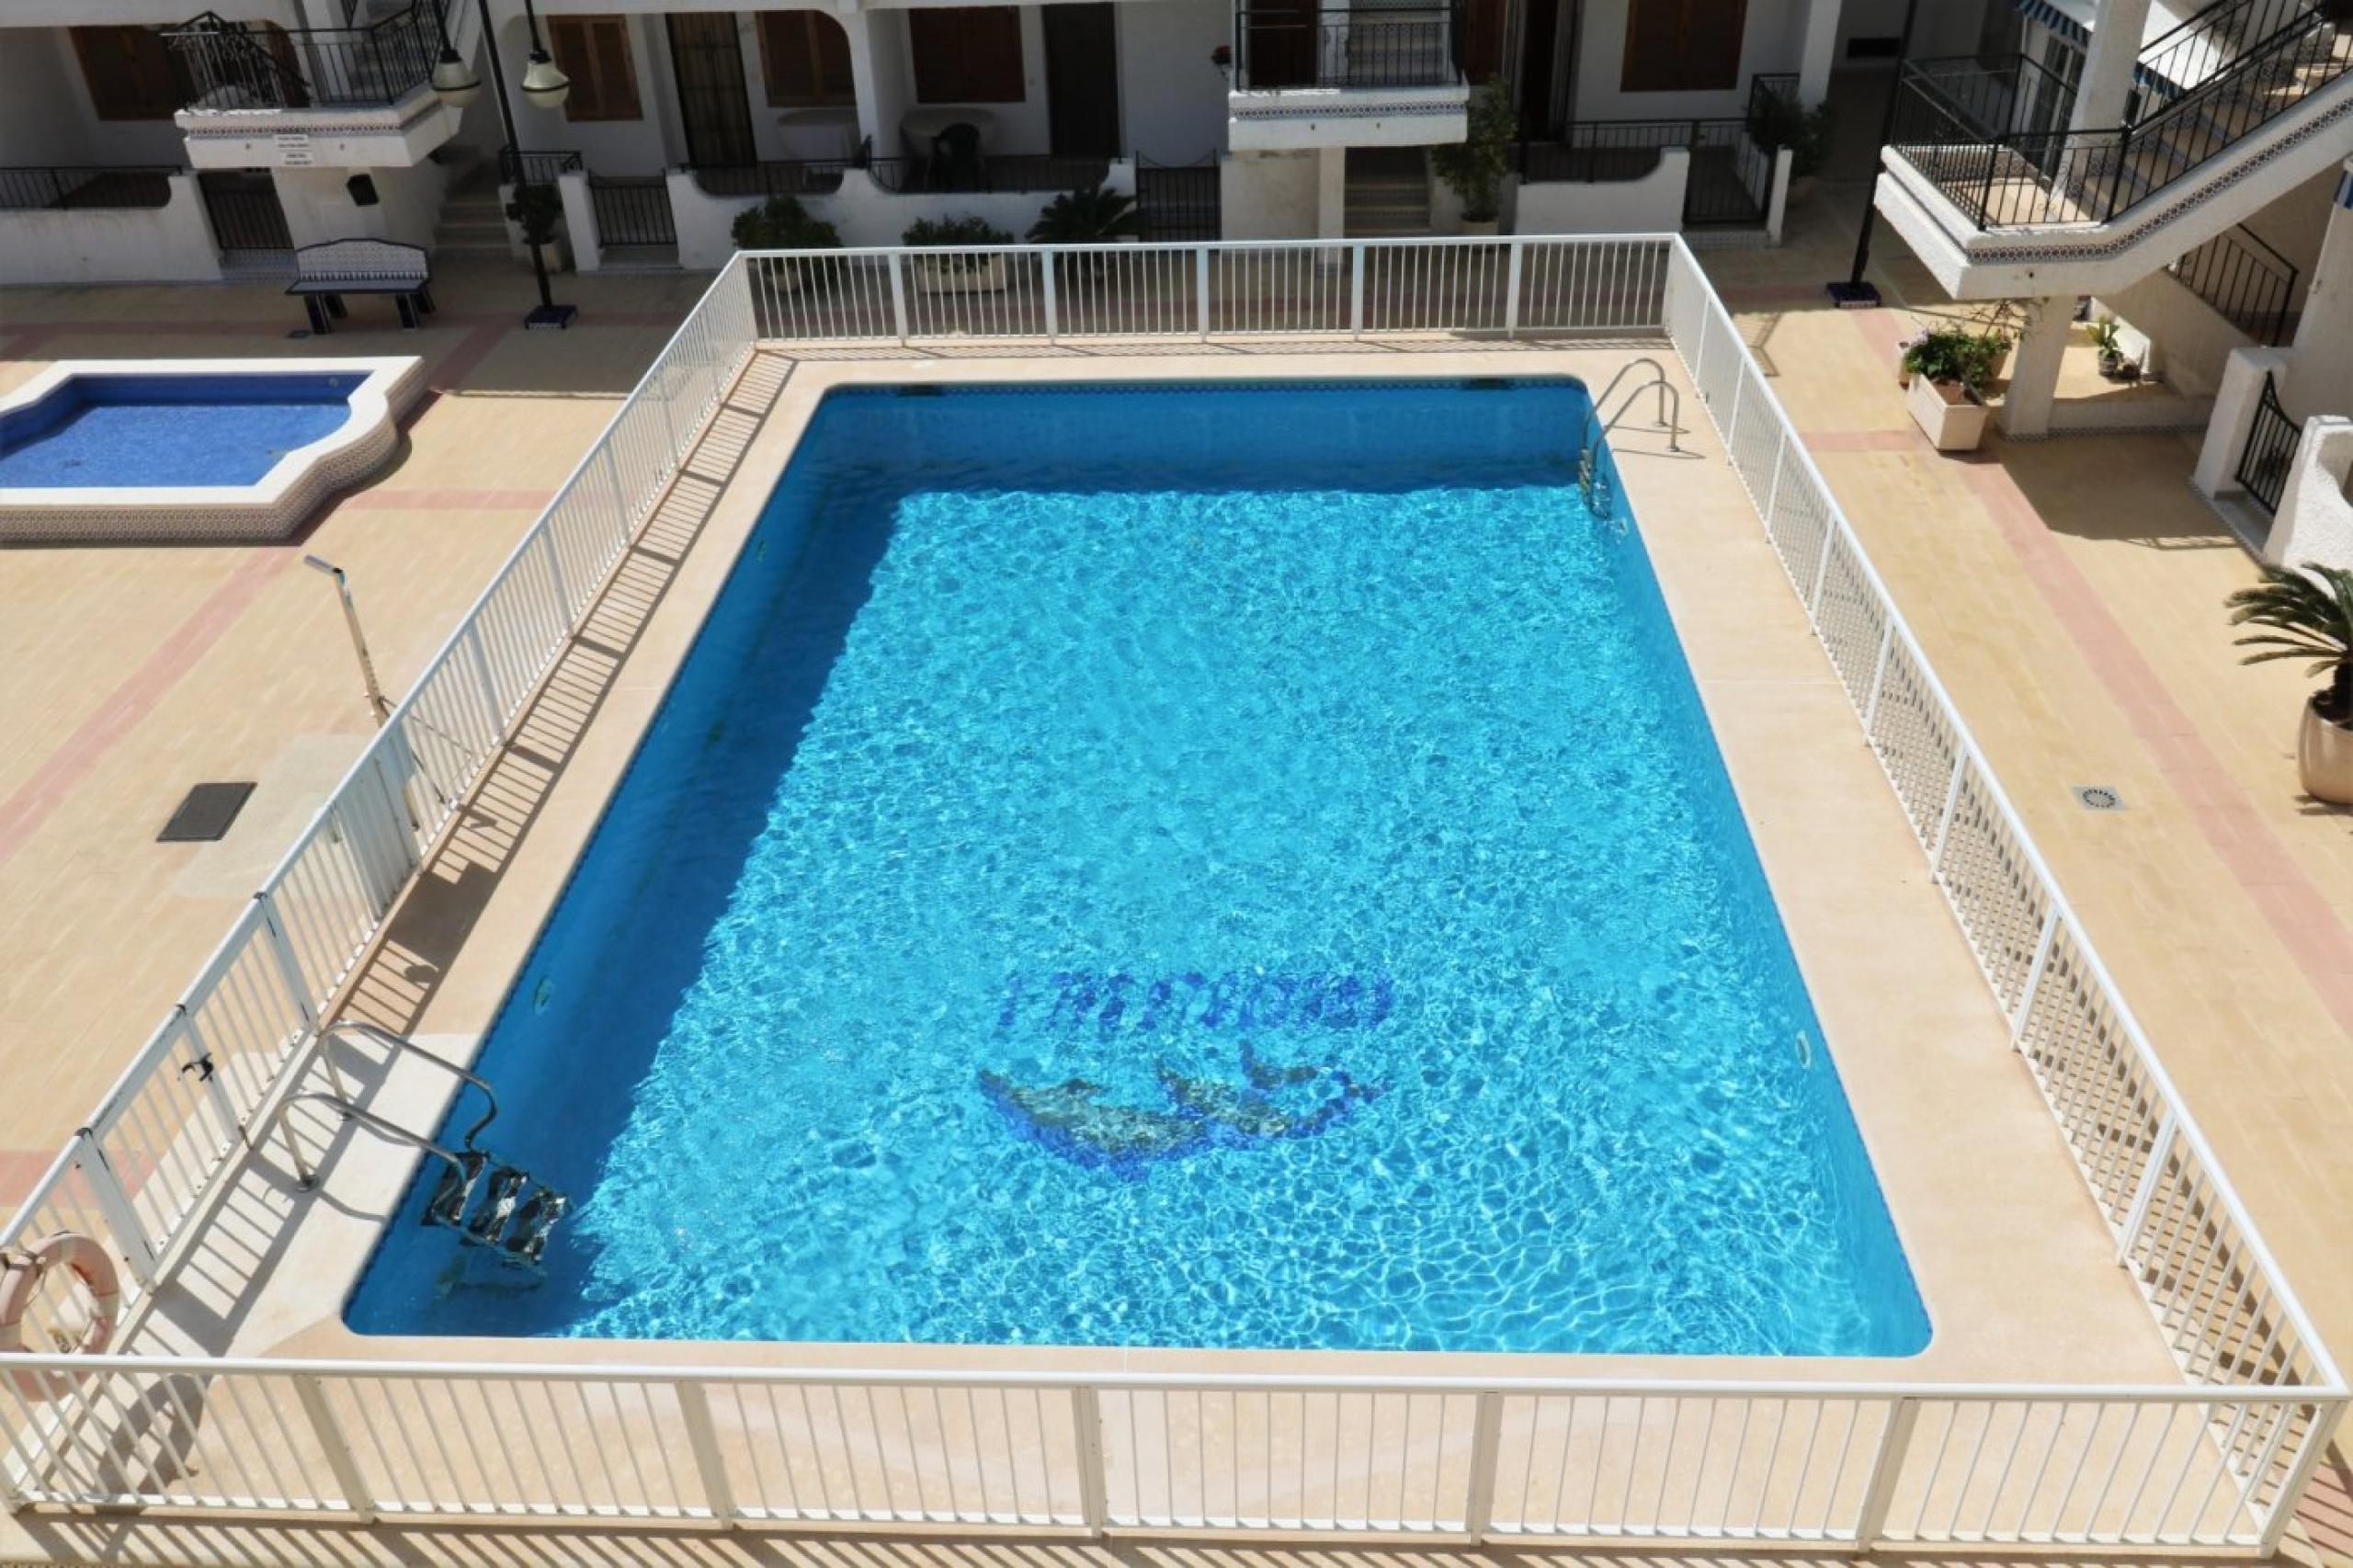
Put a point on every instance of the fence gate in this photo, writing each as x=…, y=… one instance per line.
x=632, y=211
x=247, y=221
x=1177, y=201
x=1731, y=176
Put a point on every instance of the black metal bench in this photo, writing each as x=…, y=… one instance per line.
x=324, y=273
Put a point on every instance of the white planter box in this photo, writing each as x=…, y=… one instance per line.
x=1950, y=427
x=946, y=278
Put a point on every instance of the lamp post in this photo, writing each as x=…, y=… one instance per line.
x=383, y=710
x=1852, y=293
x=544, y=82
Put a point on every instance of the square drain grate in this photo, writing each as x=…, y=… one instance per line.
x=206, y=813
x=2098, y=798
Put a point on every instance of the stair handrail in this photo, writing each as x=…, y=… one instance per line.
x=402, y=1044
x=2148, y=65
x=211, y=27
x=306, y=1173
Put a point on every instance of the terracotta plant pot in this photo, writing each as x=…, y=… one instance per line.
x=2325, y=757
x=1953, y=420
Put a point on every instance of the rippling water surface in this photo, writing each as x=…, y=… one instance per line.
x=1183, y=867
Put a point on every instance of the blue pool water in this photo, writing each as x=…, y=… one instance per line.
x=163, y=430
x=1178, y=866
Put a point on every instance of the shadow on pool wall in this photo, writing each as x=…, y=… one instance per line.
x=671, y=885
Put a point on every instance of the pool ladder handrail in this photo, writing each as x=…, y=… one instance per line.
x=1669, y=397
x=398, y=1045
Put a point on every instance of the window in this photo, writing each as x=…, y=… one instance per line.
x=593, y=52
x=967, y=54
x=804, y=56
x=128, y=71
x=1683, y=46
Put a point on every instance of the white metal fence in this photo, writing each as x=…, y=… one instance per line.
x=2217, y=1459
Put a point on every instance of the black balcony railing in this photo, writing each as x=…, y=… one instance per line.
x=112, y=184
x=989, y=173
x=1729, y=182
x=633, y=210
x=781, y=176
x=2176, y=61
x=2251, y=285
x=242, y=65
x=1995, y=144
x=541, y=167
x=1370, y=46
x=2270, y=454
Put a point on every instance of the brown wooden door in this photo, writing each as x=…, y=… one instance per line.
x=1683, y=46
x=1082, y=81
x=713, y=103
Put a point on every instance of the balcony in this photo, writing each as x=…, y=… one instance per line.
x=356, y=96
x=1369, y=75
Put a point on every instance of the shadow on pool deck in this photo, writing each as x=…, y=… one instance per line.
x=236, y=1251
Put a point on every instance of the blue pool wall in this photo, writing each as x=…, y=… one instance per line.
x=568, y=1119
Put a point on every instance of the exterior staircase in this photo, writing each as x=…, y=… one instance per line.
x=1999, y=198
x=473, y=222
x=1389, y=192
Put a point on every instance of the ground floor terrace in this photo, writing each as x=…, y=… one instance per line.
x=127, y=725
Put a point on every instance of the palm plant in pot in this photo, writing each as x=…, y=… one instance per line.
x=1097, y=217
x=2306, y=612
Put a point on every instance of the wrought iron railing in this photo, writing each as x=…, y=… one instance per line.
x=774, y=176
x=244, y=65
x=2178, y=59
x=2016, y=165
x=1730, y=179
x=537, y=167
x=2269, y=455
x=91, y=185
x=983, y=173
x=1370, y=46
x=2249, y=284
x=633, y=210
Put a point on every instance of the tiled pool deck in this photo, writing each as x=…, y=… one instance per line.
x=2066, y=592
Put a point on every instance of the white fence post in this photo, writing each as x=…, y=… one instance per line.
x=207, y=1070
x=1486, y=1441
x=899, y=298
x=1944, y=822
x=1773, y=489
x=2042, y=946
x=1087, y=1422
x=1053, y=312
x=709, y=1463
x=289, y=966
x=2326, y=1414
x=1821, y=572
x=492, y=702
x=1511, y=291
x=1879, y=676
x=1201, y=288
x=1887, y=1469
x=2145, y=1193
x=555, y=575
x=312, y=1397
x=1356, y=290
x=130, y=1235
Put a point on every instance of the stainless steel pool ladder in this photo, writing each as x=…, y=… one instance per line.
x=1597, y=427
x=516, y=1216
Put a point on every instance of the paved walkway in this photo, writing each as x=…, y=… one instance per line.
x=2068, y=592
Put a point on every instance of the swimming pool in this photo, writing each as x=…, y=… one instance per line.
x=168, y=429
x=170, y=448
x=1230, y=866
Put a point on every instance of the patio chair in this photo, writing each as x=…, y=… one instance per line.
x=956, y=157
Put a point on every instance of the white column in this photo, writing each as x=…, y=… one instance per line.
x=1331, y=193
x=858, y=23
x=2324, y=369
x=2034, y=367
x=1817, y=50
x=2107, y=65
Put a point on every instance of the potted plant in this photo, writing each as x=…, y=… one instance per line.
x=1950, y=368
x=1777, y=121
x=536, y=212
x=2307, y=613
x=960, y=272
x=1475, y=167
x=2106, y=338
x=782, y=224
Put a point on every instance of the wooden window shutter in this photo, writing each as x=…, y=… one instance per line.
x=967, y=54
x=1711, y=31
x=128, y=71
x=593, y=52
x=1687, y=45
x=1654, y=38
x=804, y=59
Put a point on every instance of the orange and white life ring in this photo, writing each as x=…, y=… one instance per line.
x=21, y=1282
